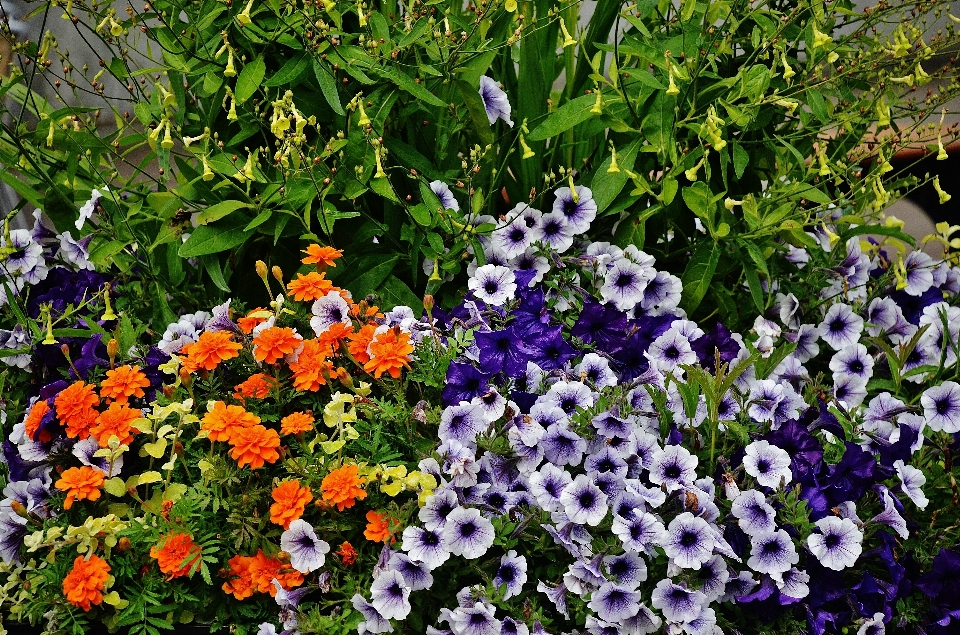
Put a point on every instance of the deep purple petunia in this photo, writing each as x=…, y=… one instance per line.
x=548, y=349
x=718, y=339
x=601, y=325
x=464, y=382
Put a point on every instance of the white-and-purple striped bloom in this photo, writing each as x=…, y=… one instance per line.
x=639, y=531
x=329, y=310
x=841, y=327
x=546, y=485
x=568, y=396
x=677, y=603
x=442, y=192
x=772, y=553
x=467, y=533
x=912, y=481
x=493, y=284
x=562, y=446
x=852, y=361
x=577, y=206
x=390, y=595
x=767, y=463
x=462, y=422
x=478, y=619
x=373, y=622
x=514, y=238
x=673, y=467
x=688, y=541
x=583, y=502
x=890, y=516
x=425, y=545
x=754, y=515
x=873, y=626
x=495, y=101
x=614, y=603
x=712, y=578
x=554, y=231
x=628, y=569
x=438, y=506
x=625, y=282
x=670, y=350
x=512, y=573
x=839, y=543
x=941, y=407
x=596, y=370
x=307, y=552
x=416, y=574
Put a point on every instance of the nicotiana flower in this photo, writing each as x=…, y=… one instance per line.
x=577, y=206
x=941, y=407
x=767, y=463
x=755, y=516
x=447, y=199
x=841, y=327
x=495, y=101
x=467, y=533
x=512, y=573
x=839, y=543
x=493, y=284
x=673, y=467
x=912, y=481
x=329, y=310
x=584, y=502
x=307, y=552
x=688, y=541
x=772, y=553
x=614, y=603
x=390, y=595
x=677, y=603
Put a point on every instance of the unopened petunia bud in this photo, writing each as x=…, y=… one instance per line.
x=261, y=268
x=277, y=273
x=428, y=302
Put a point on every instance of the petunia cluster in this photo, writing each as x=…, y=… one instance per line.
x=610, y=466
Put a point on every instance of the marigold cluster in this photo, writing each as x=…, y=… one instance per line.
x=390, y=351
x=290, y=499
x=257, y=386
x=85, y=583
x=308, y=370
x=176, y=554
x=33, y=421
x=378, y=527
x=80, y=483
x=257, y=573
x=207, y=352
x=296, y=422
x=309, y=287
x=341, y=487
x=124, y=382
x=360, y=341
x=75, y=407
x=347, y=554
x=252, y=319
x=224, y=421
x=274, y=343
x=254, y=446
x=117, y=420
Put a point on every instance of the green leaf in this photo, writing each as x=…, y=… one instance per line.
x=218, y=211
x=250, y=79
x=211, y=264
x=382, y=187
x=698, y=274
x=879, y=230
x=210, y=239
x=395, y=291
x=421, y=215
x=699, y=199
x=817, y=105
x=289, y=72
x=563, y=118
x=606, y=186
x=25, y=191
x=372, y=278
x=328, y=86
x=668, y=189
x=740, y=159
x=407, y=83
x=753, y=283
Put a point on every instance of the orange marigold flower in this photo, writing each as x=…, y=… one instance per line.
x=80, y=483
x=34, y=419
x=312, y=286
x=124, y=382
x=240, y=584
x=310, y=366
x=334, y=334
x=348, y=555
x=296, y=422
x=275, y=342
x=176, y=554
x=252, y=319
x=115, y=420
x=75, y=409
x=264, y=570
x=390, y=352
x=224, y=421
x=290, y=499
x=359, y=342
x=258, y=386
x=211, y=349
x=254, y=446
x=85, y=583
x=317, y=255
x=378, y=527
x=342, y=487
